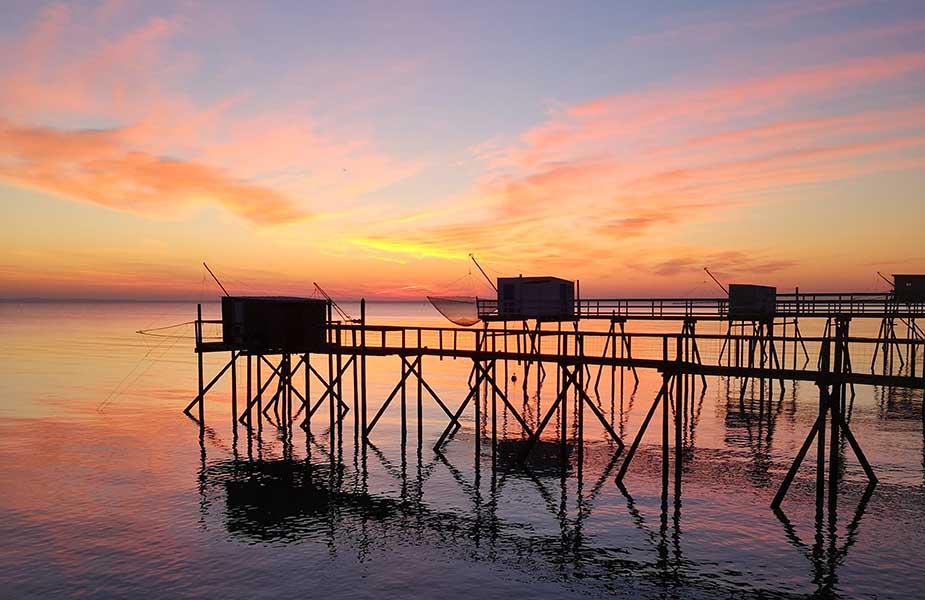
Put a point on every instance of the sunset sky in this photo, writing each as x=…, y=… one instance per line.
x=372, y=147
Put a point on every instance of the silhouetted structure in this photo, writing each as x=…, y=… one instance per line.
x=345, y=345
x=752, y=302
x=535, y=298
x=273, y=324
x=909, y=288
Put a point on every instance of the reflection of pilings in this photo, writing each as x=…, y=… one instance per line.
x=572, y=376
x=825, y=555
x=751, y=425
x=347, y=352
x=830, y=404
x=289, y=500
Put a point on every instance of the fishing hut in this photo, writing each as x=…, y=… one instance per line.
x=256, y=327
x=539, y=298
x=909, y=289
x=749, y=302
x=908, y=299
x=271, y=324
x=752, y=309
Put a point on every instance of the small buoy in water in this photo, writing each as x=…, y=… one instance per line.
x=514, y=378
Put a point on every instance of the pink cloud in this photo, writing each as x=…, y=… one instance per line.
x=94, y=167
x=265, y=166
x=637, y=113
x=620, y=179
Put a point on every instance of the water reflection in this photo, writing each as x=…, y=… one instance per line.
x=752, y=410
x=117, y=499
x=829, y=548
x=484, y=510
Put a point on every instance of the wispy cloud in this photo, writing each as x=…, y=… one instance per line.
x=96, y=167
x=159, y=148
x=613, y=175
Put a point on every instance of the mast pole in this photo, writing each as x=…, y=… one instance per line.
x=484, y=274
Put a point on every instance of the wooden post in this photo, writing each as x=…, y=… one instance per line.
x=580, y=407
x=250, y=396
x=202, y=401
x=494, y=405
x=308, y=394
x=339, y=367
x=363, y=365
x=234, y=392
x=259, y=394
x=665, y=417
x=332, y=395
x=404, y=400
x=796, y=328
x=477, y=398
x=823, y=410
x=841, y=326
x=420, y=397
x=563, y=407
x=506, y=376
x=679, y=391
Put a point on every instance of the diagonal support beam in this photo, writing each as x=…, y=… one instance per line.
x=427, y=387
x=570, y=378
x=856, y=447
x=391, y=396
x=661, y=397
x=531, y=441
x=209, y=386
x=479, y=376
x=486, y=371
x=329, y=391
x=788, y=478
x=253, y=401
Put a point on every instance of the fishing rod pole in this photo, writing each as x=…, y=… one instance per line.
x=484, y=274
x=343, y=314
x=215, y=278
x=716, y=281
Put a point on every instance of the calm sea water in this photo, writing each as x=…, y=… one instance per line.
x=108, y=491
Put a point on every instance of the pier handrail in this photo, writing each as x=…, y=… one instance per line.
x=814, y=304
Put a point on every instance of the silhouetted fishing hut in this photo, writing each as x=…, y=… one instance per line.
x=540, y=298
x=269, y=324
x=257, y=326
x=909, y=288
x=749, y=302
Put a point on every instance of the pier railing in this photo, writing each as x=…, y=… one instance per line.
x=861, y=305
x=728, y=350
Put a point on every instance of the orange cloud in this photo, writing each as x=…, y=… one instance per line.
x=162, y=150
x=94, y=167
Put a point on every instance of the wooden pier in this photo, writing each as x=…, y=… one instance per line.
x=751, y=351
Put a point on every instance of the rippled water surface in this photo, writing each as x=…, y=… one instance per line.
x=108, y=490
